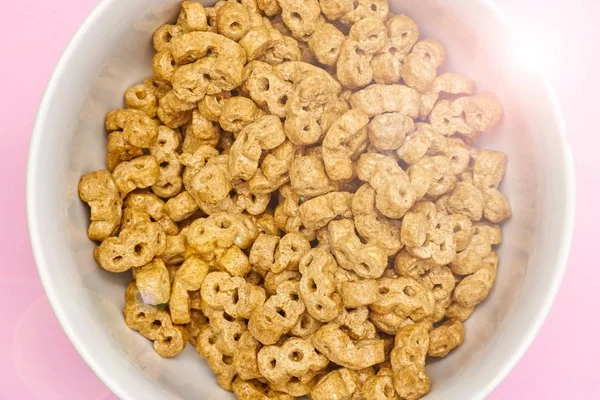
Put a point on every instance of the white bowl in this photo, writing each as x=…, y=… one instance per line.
x=112, y=50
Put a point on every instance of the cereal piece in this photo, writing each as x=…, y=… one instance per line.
x=469, y=115
x=267, y=88
x=380, y=386
x=443, y=176
x=181, y=207
x=395, y=194
x=269, y=7
x=371, y=225
x=467, y=200
x=308, y=177
x=318, y=286
x=301, y=18
x=318, y=212
x=290, y=250
x=489, y=169
x=445, y=338
x=404, y=296
x=99, y=190
x=402, y=34
x=287, y=216
x=339, y=384
x=165, y=151
x=174, y=112
x=387, y=131
x=232, y=294
x=408, y=265
x=193, y=46
x=220, y=231
x=197, y=321
x=496, y=207
x=408, y=362
x=233, y=20
x=139, y=173
x=470, y=259
x=206, y=176
x=341, y=349
x=262, y=254
x=326, y=43
x=153, y=209
x=134, y=247
x=457, y=312
x=438, y=247
x=363, y=9
x=200, y=131
x=138, y=128
x=278, y=315
x=237, y=113
x=220, y=363
x=474, y=288
x=266, y=133
x=174, y=253
x=414, y=229
x=161, y=39
x=359, y=293
x=306, y=326
x=336, y=149
x=188, y=278
x=152, y=281
x=366, y=260
x=154, y=324
x=210, y=75
x=211, y=106
x=294, y=358
x=355, y=322
x=378, y=99
x=118, y=150
x=192, y=17
x=141, y=97
x=245, y=357
x=273, y=280
x=163, y=65
x=255, y=390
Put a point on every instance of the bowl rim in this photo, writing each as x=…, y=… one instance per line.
x=102, y=372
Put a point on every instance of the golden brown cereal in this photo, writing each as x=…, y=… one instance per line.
x=337, y=148
x=142, y=97
x=256, y=390
x=262, y=181
x=100, y=191
x=341, y=349
x=188, y=278
x=318, y=286
x=366, y=260
x=408, y=362
x=295, y=358
x=371, y=225
x=133, y=247
x=278, y=315
x=192, y=17
x=445, y=338
x=152, y=281
x=395, y=194
x=474, y=288
x=319, y=211
x=154, y=324
x=234, y=295
x=174, y=112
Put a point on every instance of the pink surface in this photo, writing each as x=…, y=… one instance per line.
x=38, y=362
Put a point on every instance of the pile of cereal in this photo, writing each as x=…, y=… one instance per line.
x=296, y=193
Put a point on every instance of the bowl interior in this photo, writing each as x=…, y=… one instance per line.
x=113, y=51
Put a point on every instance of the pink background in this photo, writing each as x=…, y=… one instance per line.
x=37, y=360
